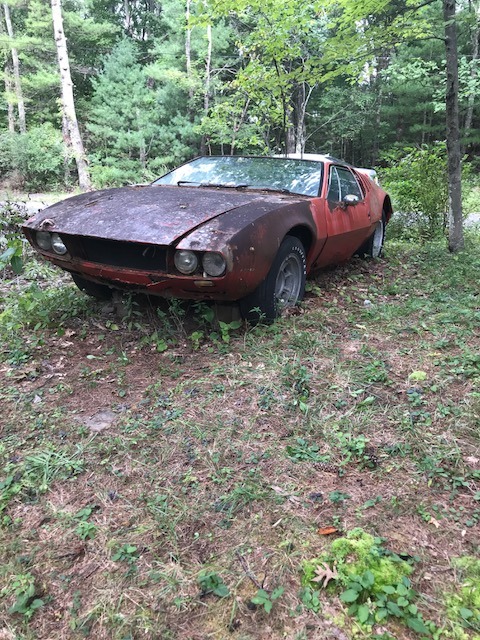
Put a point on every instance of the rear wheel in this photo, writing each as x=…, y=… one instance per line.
x=373, y=247
x=283, y=287
x=99, y=291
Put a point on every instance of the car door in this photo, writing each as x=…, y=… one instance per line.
x=347, y=216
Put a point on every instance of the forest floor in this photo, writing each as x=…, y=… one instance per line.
x=163, y=476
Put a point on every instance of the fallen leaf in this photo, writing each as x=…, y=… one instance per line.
x=324, y=574
x=435, y=523
x=472, y=460
x=326, y=531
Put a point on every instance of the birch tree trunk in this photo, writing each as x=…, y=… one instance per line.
x=8, y=93
x=206, y=93
x=68, y=104
x=455, y=218
x=188, y=50
x=16, y=72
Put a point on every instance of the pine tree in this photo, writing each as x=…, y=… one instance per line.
x=123, y=121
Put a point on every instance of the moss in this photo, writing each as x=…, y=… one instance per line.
x=353, y=555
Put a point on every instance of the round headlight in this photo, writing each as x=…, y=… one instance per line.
x=214, y=264
x=44, y=240
x=186, y=261
x=57, y=244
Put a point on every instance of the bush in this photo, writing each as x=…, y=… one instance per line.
x=12, y=241
x=417, y=180
x=38, y=155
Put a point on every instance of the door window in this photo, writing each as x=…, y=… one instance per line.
x=334, y=186
x=348, y=184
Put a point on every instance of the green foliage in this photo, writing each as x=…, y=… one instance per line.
x=39, y=156
x=417, y=181
x=372, y=581
x=211, y=582
x=265, y=599
x=357, y=553
x=23, y=587
x=303, y=450
x=463, y=604
x=128, y=140
x=12, y=240
x=36, y=473
x=126, y=553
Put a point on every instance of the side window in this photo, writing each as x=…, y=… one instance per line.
x=348, y=184
x=333, y=194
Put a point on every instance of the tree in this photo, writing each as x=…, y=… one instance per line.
x=455, y=227
x=16, y=71
x=124, y=122
x=68, y=104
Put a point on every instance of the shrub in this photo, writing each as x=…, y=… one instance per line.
x=38, y=155
x=417, y=181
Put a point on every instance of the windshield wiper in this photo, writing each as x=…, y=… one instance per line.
x=212, y=185
x=272, y=189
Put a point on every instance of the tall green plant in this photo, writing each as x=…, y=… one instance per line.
x=417, y=180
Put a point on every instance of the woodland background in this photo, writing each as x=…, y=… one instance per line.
x=156, y=83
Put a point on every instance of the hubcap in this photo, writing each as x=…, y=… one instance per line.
x=289, y=281
x=377, y=239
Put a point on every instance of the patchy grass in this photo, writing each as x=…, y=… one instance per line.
x=162, y=477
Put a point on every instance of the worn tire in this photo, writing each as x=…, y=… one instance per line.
x=93, y=289
x=283, y=287
x=373, y=246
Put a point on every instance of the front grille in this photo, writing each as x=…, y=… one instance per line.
x=116, y=253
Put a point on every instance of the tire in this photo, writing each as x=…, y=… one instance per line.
x=373, y=247
x=283, y=287
x=93, y=289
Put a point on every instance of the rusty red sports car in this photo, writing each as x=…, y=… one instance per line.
x=222, y=228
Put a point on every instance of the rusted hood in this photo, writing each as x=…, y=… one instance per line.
x=158, y=214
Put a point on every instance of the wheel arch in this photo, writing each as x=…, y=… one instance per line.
x=304, y=234
x=387, y=208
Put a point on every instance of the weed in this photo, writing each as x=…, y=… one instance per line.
x=264, y=599
x=36, y=474
x=86, y=530
x=302, y=450
x=371, y=580
x=23, y=587
x=126, y=553
x=463, y=604
x=211, y=582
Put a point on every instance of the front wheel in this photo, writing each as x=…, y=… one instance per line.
x=98, y=291
x=283, y=287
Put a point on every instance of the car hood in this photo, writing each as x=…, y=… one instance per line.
x=158, y=214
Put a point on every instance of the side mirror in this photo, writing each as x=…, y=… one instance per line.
x=350, y=199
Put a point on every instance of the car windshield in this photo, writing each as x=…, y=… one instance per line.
x=277, y=174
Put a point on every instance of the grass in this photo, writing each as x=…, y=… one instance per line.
x=163, y=477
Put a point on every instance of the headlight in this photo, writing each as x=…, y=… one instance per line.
x=44, y=240
x=214, y=264
x=57, y=244
x=186, y=261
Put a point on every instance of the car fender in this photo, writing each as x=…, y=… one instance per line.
x=249, y=237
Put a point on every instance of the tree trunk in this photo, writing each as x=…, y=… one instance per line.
x=206, y=94
x=68, y=104
x=455, y=218
x=16, y=72
x=188, y=49
x=301, y=109
x=8, y=94
x=473, y=69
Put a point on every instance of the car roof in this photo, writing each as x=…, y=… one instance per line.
x=315, y=157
